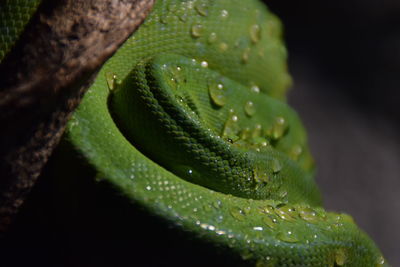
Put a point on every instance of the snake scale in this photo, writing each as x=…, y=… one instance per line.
x=189, y=120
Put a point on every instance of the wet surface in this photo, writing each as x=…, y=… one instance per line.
x=345, y=60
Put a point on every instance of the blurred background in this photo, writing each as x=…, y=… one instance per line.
x=345, y=60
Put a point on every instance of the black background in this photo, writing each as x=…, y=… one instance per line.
x=345, y=60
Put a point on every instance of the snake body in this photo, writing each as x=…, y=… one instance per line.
x=189, y=120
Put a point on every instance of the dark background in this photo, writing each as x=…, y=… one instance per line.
x=345, y=60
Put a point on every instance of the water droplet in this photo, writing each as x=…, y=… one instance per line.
x=255, y=33
x=204, y=64
x=197, y=30
x=246, y=55
x=247, y=210
x=295, y=152
x=258, y=228
x=148, y=188
x=260, y=175
x=204, y=226
x=249, y=108
x=212, y=38
x=339, y=219
x=220, y=232
x=223, y=47
x=280, y=120
x=258, y=142
x=190, y=172
x=276, y=166
x=287, y=236
x=278, y=128
x=347, y=218
x=217, y=93
x=176, y=77
x=217, y=204
x=270, y=221
x=237, y=213
x=268, y=210
x=308, y=214
x=231, y=128
x=256, y=131
x=381, y=261
x=224, y=13
x=283, y=194
x=111, y=79
x=182, y=14
x=286, y=213
x=245, y=133
x=201, y=8
x=340, y=257
x=255, y=89
x=207, y=208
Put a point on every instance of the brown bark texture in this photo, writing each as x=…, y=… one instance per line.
x=44, y=78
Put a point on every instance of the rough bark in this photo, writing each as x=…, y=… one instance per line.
x=44, y=78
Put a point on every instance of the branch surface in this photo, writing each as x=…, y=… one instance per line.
x=44, y=78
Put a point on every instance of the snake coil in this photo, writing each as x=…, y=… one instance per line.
x=189, y=120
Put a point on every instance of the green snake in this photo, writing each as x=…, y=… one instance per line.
x=189, y=120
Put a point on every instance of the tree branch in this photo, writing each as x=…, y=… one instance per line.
x=44, y=78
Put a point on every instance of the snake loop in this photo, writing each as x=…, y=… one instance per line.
x=173, y=119
x=192, y=108
x=189, y=120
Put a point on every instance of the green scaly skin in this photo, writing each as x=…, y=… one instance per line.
x=188, y=119
x=14, y=15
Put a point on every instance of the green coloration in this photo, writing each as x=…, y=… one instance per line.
x=14, y=15
x=171, y=106
x=189, y=120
